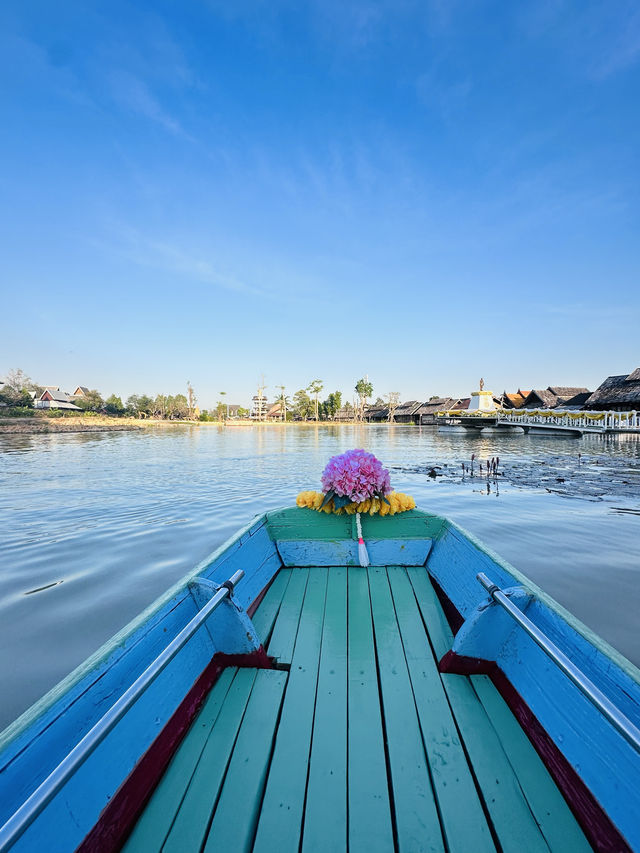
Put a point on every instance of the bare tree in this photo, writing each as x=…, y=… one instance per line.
x=191, y=400
x=393, y=401
x=17, y=380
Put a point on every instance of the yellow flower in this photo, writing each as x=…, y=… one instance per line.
x=395, y=502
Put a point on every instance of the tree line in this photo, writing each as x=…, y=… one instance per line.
x=162, y=406
x=19, y=389
x=305, y=404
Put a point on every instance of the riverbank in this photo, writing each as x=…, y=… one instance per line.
x=47, y=424
x=56, y=425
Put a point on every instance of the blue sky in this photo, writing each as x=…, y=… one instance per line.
x=423, y=191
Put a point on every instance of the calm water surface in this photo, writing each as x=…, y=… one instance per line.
x=95, y=526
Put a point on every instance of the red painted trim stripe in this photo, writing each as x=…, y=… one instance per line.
x=454, y=617
x=251, y=609
x=600, y=831
x=462, y=665
x=119, y=816
x=125, y=807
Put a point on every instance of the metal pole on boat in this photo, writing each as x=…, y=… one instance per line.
x=22, y=819
x=622, y=724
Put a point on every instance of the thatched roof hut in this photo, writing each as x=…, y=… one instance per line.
x=577, y=401
x=376, y=414
x=406, y=412
x=552, y=396
x=427, y=412
x=617, y=393
x=346, y=413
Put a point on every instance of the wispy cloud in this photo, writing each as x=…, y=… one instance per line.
x=445, y=96
x=261, y=274
x=575, y=312
x=623, y=49
x=150, y=251
x=599, y=38
x=132, y=93
x=30, y=62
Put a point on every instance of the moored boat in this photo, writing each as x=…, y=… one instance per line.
x=283, y=696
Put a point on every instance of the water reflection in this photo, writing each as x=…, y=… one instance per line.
x=121, y=516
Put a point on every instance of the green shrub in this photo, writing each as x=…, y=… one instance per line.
x=18, y=412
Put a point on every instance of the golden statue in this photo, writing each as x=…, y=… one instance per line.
x=481, y=384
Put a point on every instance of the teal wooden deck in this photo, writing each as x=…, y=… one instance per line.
x=357, y=743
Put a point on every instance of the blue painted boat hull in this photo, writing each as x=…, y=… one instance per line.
x=586, y=744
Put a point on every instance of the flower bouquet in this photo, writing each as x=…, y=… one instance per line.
x=356, y=482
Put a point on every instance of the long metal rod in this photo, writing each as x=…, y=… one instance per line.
x=47, y=790
x=622, y=724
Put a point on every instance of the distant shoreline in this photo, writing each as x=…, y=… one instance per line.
x=21, y=426
x=48, y=425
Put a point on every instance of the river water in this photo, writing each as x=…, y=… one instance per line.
x=95, y=526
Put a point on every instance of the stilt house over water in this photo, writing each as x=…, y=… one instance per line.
x=376, y=413
x=406, y=412
x=617, y=394
x=427, y=413
x=554, y=396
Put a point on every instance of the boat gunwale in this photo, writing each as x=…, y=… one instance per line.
x=594, y=639
x=57, y=693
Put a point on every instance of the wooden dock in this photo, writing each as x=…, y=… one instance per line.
x=355, y=741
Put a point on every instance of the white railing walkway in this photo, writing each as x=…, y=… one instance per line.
x=615, y=422
x=553, y=419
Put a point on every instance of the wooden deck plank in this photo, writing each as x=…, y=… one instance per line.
x=417, y=823
x=370, y=828
x=152, y=827
x=509, y=811
x=464, y=827
x=265, y=616
x=508, y=807
x=191, y=824
x=363, y=677
x=439, y=631
x=283, y=638
x=280, y=823
x=238, y=809
x=325, y=821
x=551, y=811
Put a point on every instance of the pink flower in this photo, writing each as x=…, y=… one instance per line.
x=356, y=475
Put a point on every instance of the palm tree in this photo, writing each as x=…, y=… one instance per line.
x=224, y=394
x=315, y=388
